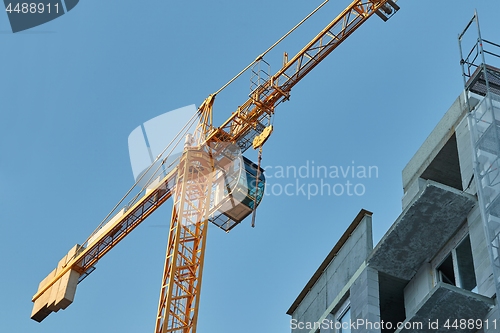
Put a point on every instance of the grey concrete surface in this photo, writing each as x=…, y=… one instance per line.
x=447, y=302
x=421, y=230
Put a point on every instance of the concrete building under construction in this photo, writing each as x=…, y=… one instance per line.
x=436, y=268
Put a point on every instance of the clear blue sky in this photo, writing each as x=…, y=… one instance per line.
x=73, y=89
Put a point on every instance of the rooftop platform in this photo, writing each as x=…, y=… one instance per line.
x=477, y=81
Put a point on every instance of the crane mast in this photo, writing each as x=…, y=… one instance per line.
x=192, y=182
x=181, y=282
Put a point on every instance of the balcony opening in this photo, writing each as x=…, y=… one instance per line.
x=391, y=297
x=445, y=167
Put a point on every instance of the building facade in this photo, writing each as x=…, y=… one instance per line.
x=433, y=270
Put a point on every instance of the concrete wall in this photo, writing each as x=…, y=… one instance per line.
x=333, y=285
x=364, y=298
x=418, y=288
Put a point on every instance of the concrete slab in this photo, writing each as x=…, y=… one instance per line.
x=421, y=230
x=447, y=303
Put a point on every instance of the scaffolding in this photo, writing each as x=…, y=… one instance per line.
x=482, y=84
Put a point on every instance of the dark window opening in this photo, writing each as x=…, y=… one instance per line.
x=465, y=265
x=458, y=267
x=446, y=271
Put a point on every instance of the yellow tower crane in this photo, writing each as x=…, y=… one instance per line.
x=211, y=183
